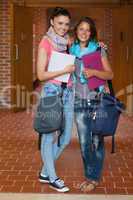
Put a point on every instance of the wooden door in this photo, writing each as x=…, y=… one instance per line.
x=21, y=58
x=122, y=54
x=129, y=90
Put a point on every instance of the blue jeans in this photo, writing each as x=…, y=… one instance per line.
x=92, y=146
x=50, y=151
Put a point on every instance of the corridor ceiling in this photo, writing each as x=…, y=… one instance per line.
x=43, y=2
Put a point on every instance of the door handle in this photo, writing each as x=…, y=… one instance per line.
x=16, y=52
x=127, y=53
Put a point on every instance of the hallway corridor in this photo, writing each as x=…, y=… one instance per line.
x=20, y=159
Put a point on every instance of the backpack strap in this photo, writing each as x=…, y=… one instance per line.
x=39, y=141
x=63, y=86
x=113, y=144
x=112, y=93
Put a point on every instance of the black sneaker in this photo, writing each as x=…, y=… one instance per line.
x=59, y=186
x=43, y=179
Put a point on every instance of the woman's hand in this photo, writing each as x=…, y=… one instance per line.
x=103, y=45
x=89, y=73
x=70, y=41
x=69, y=69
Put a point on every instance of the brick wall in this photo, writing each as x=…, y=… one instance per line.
x=39, y=29
x=108, y=30
x=5, y=68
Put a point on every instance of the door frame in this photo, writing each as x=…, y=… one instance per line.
x=12, y=51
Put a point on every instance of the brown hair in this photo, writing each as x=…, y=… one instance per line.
x=60, y=11
x=93, y=30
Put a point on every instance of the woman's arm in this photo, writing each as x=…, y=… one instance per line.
x=105, y=74
x=44, y=75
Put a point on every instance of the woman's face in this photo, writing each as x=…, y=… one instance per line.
x=61, y=24
x=83, y=32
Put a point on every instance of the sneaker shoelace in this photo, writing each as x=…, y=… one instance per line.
x=60, y=182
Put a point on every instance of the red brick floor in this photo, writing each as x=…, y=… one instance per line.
x=20, y=160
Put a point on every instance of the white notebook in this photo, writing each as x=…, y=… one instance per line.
x=59, y=61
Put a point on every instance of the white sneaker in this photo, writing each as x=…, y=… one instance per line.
x=43, y=179
x=59, y=186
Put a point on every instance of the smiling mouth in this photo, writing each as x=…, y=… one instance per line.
x=62, y=31
x=83, y=38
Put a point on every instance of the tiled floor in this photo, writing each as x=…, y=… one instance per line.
x=20, y=159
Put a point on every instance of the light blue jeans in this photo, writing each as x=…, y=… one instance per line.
x=50, y=151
